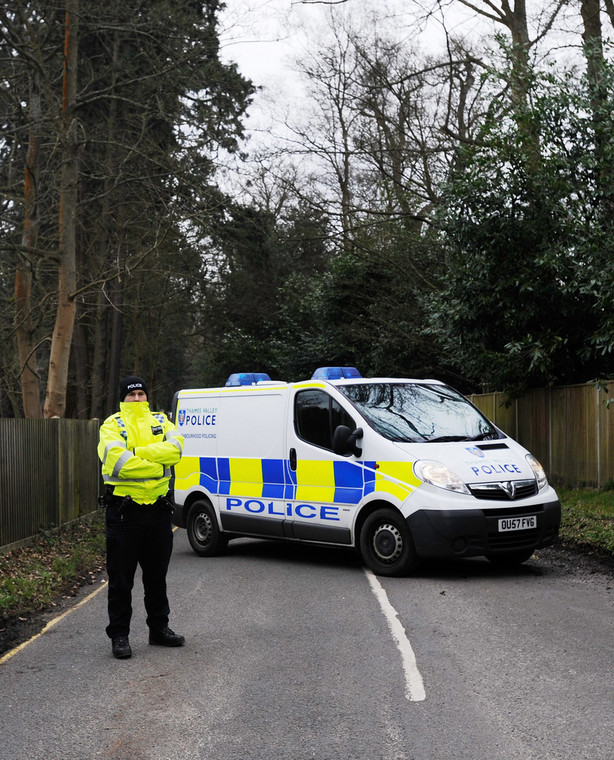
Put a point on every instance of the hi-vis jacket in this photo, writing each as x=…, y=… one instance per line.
x=137, y=448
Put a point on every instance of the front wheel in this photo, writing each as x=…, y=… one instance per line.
x=386, y=544
x=205, y=537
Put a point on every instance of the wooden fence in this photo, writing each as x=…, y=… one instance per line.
x=49, y=475
x=570, y=429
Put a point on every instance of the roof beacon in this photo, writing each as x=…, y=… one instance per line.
x=247, y=378
x=335, y=373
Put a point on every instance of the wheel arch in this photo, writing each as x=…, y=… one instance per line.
x=368, y=510
x=195, y=496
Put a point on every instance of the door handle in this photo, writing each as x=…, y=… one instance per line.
x=293, y=459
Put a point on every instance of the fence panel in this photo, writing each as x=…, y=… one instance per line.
x=533, y=412
x=605, y=423
x=574, y=436
x=496, y=408
x=569, y=429
x=49, y=475
x=79, y=468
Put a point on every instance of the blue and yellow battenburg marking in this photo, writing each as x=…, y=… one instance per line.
x=315, y=480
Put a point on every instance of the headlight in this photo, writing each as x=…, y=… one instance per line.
x=538, y=471
x=438, y=474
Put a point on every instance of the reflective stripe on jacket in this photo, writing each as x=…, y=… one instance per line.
x=137, y=448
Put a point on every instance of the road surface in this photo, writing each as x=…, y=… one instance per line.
x=295, y=653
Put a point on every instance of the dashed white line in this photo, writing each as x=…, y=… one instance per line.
x=414, y=685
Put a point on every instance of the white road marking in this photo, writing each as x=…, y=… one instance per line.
x=414, y=685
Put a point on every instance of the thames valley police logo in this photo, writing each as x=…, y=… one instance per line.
x=181, y=417
x=475, y=451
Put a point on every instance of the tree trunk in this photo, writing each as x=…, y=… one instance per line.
x=98, y=388
x=593, y=51
x=79, y=407
x=115, y=350
x=592, y=36
x=24, y=329
x=55, y=400
x=102, y=395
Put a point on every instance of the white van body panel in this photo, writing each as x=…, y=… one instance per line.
x=245, y=456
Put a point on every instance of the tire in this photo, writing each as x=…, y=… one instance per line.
x=205, y=537
x=386, y=545
x=510, y=559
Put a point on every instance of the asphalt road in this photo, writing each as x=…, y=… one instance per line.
x=295, y=653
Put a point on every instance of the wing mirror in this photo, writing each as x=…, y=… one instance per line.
x=344, y=441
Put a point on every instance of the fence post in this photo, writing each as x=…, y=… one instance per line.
x=550, y=455
x=598, y=389
x=61, y=483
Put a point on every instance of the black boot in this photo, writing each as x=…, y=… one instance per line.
x=121, y=647
x=164, y=637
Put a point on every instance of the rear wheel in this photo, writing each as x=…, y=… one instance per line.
x=205, y=537
x=510, y=559
x=386, y=544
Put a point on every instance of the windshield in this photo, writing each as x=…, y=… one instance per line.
x=409, y=412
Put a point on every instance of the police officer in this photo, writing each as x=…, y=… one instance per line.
x=137, y=448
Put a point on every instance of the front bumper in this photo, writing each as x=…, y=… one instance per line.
x=474, y=532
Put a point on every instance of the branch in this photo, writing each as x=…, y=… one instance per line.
x=496, y=15
x=46, y=339
x=551, y=20
x=104, y=280
x=29, y=250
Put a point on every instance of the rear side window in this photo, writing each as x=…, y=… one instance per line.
x=316, y=417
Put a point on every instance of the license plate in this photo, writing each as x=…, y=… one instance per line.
x=517, y=523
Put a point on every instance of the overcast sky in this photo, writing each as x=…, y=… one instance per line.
x=264, y=36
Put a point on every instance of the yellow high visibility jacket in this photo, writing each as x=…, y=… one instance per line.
x=137, y=448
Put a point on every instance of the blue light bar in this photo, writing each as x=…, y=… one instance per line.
x=247, y=378
x=335, y=373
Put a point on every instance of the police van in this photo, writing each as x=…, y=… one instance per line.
x=398, y=469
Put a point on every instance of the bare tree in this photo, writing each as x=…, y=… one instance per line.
x=26, y=58
x=117, y=169
x=55, y=398
x=331, y=75
x=24, y=327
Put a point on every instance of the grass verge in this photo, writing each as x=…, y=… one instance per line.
x=588, y=520
x=35, y=577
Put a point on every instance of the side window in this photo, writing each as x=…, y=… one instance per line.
x=340, y=417
x=316, y=415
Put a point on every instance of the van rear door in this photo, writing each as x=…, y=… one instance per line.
x=250, y=461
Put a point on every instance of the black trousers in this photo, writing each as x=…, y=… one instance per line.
x=137, y=534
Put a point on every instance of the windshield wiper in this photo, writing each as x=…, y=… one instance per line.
x=447, y=438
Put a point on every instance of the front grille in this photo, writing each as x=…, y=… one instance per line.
x=513, y=510
x=511, y=490
x=516, y=540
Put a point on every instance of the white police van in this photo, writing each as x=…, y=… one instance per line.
x=399, y=469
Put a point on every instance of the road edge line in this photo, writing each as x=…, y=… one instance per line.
x=50, y=624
